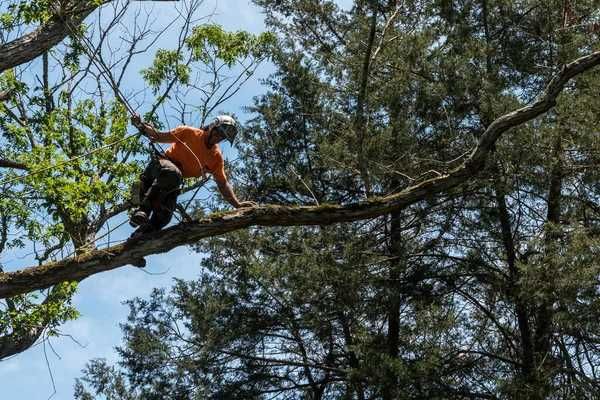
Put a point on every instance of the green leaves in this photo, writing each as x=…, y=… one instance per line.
x=27, y=313
x=211, y=41
x=36, y=11
x=10, y=83
x=207, y=44
x=69, y=171
x=167, y=66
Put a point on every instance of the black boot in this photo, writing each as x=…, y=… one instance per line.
x=139, y=218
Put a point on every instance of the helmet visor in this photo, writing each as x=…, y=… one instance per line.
x=227, y=132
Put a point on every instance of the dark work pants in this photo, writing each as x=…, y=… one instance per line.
x=159, y=190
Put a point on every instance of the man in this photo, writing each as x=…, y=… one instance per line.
x=192, y=153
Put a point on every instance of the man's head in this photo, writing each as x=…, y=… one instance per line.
x=223, y=127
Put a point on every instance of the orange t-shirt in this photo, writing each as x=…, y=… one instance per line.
x=211, y=159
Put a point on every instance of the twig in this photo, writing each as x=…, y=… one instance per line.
x=385, y=29
x=305, y=185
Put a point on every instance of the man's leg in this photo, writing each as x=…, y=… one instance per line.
x=169, y=181
x=141, y=215
x=164, y=212
x=162, y=195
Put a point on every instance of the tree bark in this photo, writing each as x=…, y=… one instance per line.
x=34, y=44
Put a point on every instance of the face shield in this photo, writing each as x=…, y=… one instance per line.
x=226, y=127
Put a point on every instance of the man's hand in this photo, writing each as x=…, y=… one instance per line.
x=227, y=193
x=136, y=121
x=248, y=204
x=145, y=128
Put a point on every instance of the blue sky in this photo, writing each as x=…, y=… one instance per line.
x=99, y=298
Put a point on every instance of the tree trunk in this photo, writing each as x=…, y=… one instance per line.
x=34, y=44
x=544, y=313
x=394, y=301
x=514, y=290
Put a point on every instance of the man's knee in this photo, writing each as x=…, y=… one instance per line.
x=169, y=177
x=160, y=218
x=169, y=180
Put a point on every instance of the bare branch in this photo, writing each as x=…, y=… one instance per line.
x=388, y=23
x=5, y=95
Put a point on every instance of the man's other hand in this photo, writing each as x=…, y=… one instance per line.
x=144, y=127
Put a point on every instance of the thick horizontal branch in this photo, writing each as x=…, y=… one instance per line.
x=13, y=164
x=18, y=342
x=82, y=266
x=34, y=44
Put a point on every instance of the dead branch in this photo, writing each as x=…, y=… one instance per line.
x=13, y=164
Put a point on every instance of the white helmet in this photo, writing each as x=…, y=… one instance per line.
x=227, y=125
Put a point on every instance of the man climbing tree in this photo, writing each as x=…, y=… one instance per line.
x=193, y=152
x=78, y=156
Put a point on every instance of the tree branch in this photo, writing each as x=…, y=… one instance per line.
x=19, y=341
x=13, y=164
x=131, y=252
x=34, y=44
x=15, y=343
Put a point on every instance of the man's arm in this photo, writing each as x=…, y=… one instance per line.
x=154, y=134
x=227, y=192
